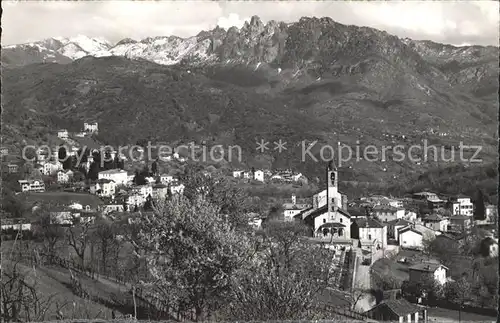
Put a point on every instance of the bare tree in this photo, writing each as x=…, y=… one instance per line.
x=22, y=298
x=50, y=233
x=78, y=238
x=104, y=235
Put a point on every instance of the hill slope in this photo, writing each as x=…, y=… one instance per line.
x=311, y=80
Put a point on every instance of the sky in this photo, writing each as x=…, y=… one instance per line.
x=451, y=22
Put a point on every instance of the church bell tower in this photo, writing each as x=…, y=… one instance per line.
x=332, y=187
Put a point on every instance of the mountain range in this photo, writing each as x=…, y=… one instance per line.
x=314, y=79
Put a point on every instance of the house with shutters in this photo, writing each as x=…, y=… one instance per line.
x=386, y=213
x=414, y=235
x=436, y=222
x=394, y=226
x=290, y=209
x=372, y=234
x=426, y=271
x=398, y=310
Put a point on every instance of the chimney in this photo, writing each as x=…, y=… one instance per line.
x=294, y=199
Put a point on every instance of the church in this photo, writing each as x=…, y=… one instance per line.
x=328, y=217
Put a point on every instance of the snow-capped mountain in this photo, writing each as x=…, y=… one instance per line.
x=166, y=50
x=313, y=44
x=53, y=50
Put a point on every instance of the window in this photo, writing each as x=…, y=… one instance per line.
x=340, y=220
x=369, y=236
x=324, y=220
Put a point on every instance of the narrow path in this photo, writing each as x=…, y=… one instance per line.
x=363, y=282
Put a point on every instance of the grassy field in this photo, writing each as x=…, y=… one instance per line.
x=53, y=286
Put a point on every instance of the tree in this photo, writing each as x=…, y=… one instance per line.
x=61, y=154
x=78, y=238
x=108, y=161
x=444, y=249
x=479, y=208
x=457, y=292
x=154, y=168
x=217, y=190
x=139, y=178
x=50, y=233
x=105, y=237
x=93, y=173
x=148, y=205
x=284, y=279
x=192, y=252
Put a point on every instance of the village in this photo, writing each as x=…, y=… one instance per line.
x=370, y=236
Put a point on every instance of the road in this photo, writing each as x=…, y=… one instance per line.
x=363, y=282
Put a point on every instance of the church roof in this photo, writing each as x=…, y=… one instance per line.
x=321, y=210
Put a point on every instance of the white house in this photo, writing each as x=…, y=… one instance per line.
x=112, y=207
x=413, y=236
x=293, y=208
x=32, y=185
x=166, y=179
x=394, y=226
x=16, y=224
x=150, y=180
x=436, y=223
x=370, y=232
x=64, y=176
x=135, y=200
x=425, y=196
x=144, y=190
x=160, y=191
x=103, y=187
x=258, y=175
x=388, y=213
x=63, y=134
x=423, y=271
x=296, y=177
x=177, y=189
x=52, y=167
x=90, y=127
x=119, y=176
x=462, y=205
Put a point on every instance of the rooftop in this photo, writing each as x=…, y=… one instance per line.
x=331, y=225
x=113, y=171
x=368, y=223
x=426, y=267
x=400, y=307
x=460, y=217
x=316, y=212
x=398, y=222
x=433, y=217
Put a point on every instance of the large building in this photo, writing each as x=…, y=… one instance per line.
x=119, y=176
x=370, y=232
x=462, y=205
x=32, y=185
x=328, y=218
x=104, y=187
x=90, y=127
